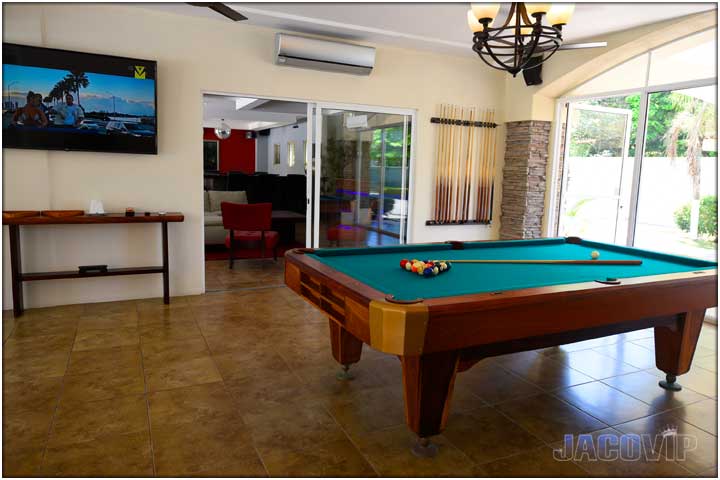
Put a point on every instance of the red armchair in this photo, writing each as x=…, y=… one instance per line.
x=249, y=222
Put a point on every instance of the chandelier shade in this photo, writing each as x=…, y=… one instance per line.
x=511, y=44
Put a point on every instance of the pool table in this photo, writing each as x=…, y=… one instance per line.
x=442, y=325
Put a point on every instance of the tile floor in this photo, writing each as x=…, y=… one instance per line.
x=241, y=383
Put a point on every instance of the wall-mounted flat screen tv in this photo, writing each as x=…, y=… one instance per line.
x=62, y=100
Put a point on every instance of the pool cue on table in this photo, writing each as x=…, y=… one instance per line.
x=551, y=262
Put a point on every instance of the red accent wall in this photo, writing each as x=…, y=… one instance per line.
x=237, y=153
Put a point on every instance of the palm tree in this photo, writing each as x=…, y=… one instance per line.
x=77, y=80
x=695, y=121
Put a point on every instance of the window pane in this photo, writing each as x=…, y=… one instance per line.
x=626, y=76
x=692, y=58
x=677, y=206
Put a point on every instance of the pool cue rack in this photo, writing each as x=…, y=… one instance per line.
x=464, y=166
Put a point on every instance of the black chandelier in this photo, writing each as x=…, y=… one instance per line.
x=522, y=41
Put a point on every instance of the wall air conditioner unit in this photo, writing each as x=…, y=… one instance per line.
x=304, y=52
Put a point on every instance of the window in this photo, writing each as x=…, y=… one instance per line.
x=276, y=156
x=637, y=163
x=625, y=76
x=687, y=59
x=690, y=58
x=211, y=150
x=291, y=154
x=305, y=155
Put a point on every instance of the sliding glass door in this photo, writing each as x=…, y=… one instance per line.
x=677, y=202
x=361, y=166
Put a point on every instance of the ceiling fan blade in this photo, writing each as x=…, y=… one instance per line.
x=222, y=9
x=578, y=46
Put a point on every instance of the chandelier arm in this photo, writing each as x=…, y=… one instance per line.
x=544, y=59
x=529, y=55
x=513, y=7
x=478, y=48
x=522, y=13
x=494, y=57
x=503, y=67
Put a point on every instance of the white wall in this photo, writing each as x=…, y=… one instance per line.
x=281, y=136
x=197, y=55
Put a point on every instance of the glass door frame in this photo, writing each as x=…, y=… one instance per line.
x=622, y=190
x=314, y=146
x=644, y=92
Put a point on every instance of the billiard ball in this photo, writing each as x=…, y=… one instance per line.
x=403, y=262
x=595, y=254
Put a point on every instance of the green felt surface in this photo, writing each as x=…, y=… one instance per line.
x=380, y=269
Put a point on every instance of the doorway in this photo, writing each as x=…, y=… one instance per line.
x=252, y=154
x=336, y=175
x=597, y=165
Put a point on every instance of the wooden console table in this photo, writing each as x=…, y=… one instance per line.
x=18, y=277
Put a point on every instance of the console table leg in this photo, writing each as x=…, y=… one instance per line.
x=166, y=263
x=16, y=270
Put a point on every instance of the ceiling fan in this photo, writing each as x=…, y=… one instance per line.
x=222, y=9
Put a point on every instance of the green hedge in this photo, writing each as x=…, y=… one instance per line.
x=707, y=223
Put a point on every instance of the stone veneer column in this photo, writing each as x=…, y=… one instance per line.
x=523, y=193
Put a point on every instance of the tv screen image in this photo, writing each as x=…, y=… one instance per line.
x=62, y=100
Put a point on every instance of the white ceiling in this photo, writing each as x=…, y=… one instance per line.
x=257, y=115
x=439, y=27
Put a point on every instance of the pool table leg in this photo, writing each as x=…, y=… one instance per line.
x=346, y=348
x=675, y=346
x=428, y=382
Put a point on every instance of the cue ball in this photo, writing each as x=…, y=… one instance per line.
x=595, y=254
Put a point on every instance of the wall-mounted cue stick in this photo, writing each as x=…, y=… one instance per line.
x=451, y=164
x=437, y=169
x=478, y=206
x=489, y=174
x=445, y=163
x=468, y=168
x=462, y=168
x=442, y=164
x=491, y=167
x=458, y=169
x=552, y=262
x=457, y=147
x=483, y=174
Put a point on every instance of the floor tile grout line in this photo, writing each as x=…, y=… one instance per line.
x=349, y=438
x=649, y=404
x=146, y=394
x=329, y=413
x=225, y=388
x=57, y=402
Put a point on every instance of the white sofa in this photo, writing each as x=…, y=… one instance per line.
x=214, y=231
